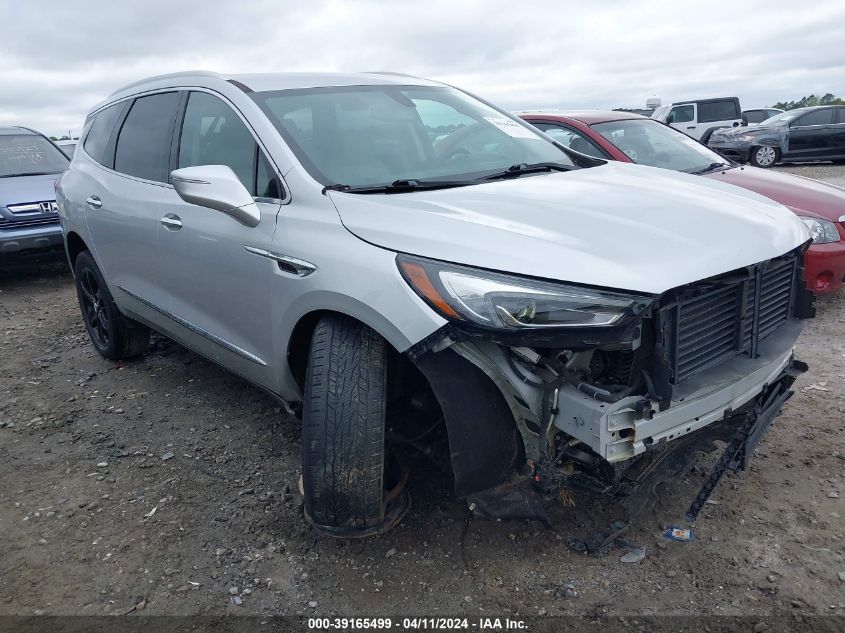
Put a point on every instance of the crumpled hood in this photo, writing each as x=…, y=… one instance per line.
x=23, y=189
x=618, y=225
x=803, y=195
x=734, y=133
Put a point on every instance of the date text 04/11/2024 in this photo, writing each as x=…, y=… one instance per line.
x=415, y=624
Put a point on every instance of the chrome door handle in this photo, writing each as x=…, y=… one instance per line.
x=94, y=202
x=172, y=222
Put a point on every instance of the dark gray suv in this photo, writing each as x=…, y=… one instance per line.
x=29, y=221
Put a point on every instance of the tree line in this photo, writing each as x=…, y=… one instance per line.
x=811, y=100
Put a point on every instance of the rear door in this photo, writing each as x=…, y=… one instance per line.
x=811, y=136
x=218, y=284
x=122, y=188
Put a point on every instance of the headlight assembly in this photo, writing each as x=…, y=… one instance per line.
x=822, y=231
x=506, y=302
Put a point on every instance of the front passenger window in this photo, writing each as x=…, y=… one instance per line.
x=212, y=134
x=681, y=114
x=816, y=117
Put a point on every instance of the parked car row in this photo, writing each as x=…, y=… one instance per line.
x=635, y=139
x=407, y=267
x=800, y=135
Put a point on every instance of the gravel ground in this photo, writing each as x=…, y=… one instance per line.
x=168, y=486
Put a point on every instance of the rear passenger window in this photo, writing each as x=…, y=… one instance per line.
x=710, y=111
x=97, y=142
x=755, y=116
x=143, y=147
x=212, y=134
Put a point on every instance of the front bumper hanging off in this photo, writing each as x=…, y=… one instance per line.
x=742, y=429
x=749, y=432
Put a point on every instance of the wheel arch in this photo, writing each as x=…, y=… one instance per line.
x=301, y=334
x=485, y=446
x=74, y=245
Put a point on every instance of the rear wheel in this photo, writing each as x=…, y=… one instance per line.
x=343, y=454
x=764, y=156
x=114, y=336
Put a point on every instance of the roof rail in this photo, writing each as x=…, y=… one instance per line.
x=391, y=73
x=186, y=73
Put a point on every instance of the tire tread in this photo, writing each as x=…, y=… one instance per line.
x=344, y=424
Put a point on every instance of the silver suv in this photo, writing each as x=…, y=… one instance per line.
x=408, y=267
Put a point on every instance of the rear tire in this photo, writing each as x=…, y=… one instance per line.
x=114, y=336
x=764, y=156
x=343, y=453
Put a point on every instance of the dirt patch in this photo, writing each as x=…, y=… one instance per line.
x=168, y=485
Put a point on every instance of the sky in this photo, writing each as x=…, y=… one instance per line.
x=59, y=58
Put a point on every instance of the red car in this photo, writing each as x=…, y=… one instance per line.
x=635, y=139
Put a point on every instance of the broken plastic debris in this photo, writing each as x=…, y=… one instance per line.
x=150, y=513
x=679, y=534
x=634, y=556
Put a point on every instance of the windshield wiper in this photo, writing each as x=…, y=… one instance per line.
x=30, y=173
x=400, y=186
x=710, y=167
x=514, y=171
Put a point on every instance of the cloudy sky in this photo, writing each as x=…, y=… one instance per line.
x=58, y=58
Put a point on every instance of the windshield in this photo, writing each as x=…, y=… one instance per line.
x=364, y=136
x=29, y=154
x=660, y=113
x=784, y=117
x=648, y=142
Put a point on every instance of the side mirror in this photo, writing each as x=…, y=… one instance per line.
x=216, y=187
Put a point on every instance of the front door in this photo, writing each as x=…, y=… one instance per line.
x=811, y=135
x=218, y=292
x=838, y=136
x=683, y=118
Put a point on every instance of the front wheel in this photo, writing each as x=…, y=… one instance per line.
x=343, y=436
x=764, y=156
x=114, y=336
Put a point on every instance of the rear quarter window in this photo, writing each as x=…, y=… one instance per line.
x=718, y=111
x=755, y=116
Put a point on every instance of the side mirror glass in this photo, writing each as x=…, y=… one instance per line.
x=216, y=187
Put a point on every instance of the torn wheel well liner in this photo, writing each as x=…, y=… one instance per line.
x=484, y=442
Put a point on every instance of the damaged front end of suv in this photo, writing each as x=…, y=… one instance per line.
x=589, y=390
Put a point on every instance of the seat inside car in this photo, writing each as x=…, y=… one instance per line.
x=581, y=145
x=635, y=142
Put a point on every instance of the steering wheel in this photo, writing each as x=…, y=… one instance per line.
x=456, y=153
